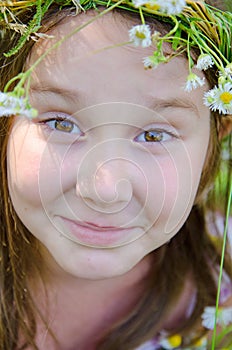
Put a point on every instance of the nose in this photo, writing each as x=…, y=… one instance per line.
x=104, y=177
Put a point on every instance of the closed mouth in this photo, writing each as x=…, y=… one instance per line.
x=92, y=234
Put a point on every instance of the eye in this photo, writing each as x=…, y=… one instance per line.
x=62, y=124
x=155, y=136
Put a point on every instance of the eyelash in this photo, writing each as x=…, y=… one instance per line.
x=58, y=119
x=158, y=133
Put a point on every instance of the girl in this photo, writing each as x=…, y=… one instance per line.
x=109, y=237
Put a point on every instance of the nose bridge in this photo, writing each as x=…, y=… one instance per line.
x=111, y=180
x=105, y=174
x=112, y=168
x=111, y=143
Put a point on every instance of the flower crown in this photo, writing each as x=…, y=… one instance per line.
x=194, y=25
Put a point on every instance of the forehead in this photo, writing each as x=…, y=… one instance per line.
x=99, y=57
x=85, y=34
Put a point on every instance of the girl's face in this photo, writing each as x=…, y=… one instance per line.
x=109, y=170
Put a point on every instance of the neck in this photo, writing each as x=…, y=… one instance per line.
x=81, y=311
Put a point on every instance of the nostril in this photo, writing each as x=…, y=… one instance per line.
x=124, y=189
x=105, y=195
x=112, y=190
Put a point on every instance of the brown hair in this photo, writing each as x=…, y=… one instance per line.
x=164, y=284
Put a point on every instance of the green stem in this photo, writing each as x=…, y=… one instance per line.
x=28, y=86
x=189, y=56
x=221, y=265
x=214, y=51
x=111, y=47
x=223, y=333
x=174, y=29
x=203, y=46
x=141, y=15
x=19, y=77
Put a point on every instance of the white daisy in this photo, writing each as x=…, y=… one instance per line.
x=153, y=61
x=200, y=344
x=155, y=37
x=11, y=105
x=138, y=3
x=193, y=82
x=149, y=62
x=208, y=317
x=140, y=35
x=226, y=72
x=224, y=316
x=172, y=342
x=220, y=98
x=204, y=62
x=229, y=68
x=171, y=7
x=152, y=5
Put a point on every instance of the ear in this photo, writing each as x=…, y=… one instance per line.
x=225, y=126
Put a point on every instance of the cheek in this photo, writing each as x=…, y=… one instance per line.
x=164, y=186
x=23, y=174
x=31, y=172
x=176, y=188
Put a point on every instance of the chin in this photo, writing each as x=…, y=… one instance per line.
x=100, y=264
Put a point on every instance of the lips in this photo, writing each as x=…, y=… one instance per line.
x=93, y=234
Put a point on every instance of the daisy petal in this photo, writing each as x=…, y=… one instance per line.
x=171, y=7
x=224, y=316
x=220, y=98
x=12, y=105
x=204, y=62
x=140, y=35
x=193, y=82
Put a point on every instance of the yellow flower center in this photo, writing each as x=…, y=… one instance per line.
x=152, y=7
x=226, y=97
x=199, y=342
x=175, y=340
x=140, y=35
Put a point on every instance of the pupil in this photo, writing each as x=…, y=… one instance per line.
x=153, y=136
x=64, y=125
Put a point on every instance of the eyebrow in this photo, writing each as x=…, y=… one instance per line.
x=66, y=94
x=154, y=103
x=157, y=104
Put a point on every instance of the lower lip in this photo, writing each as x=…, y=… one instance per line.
x=95, y=237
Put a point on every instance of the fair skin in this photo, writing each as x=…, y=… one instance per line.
x=136, y=192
